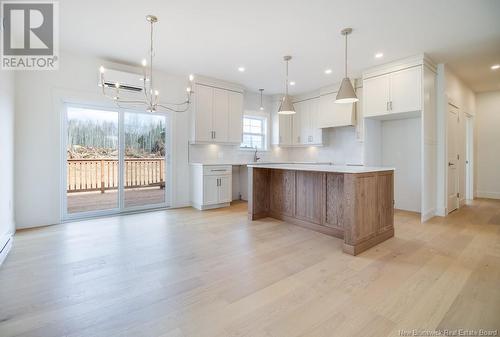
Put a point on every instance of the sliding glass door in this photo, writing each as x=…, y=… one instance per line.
x=115, y=161
x=92, y=171
x=144, y=164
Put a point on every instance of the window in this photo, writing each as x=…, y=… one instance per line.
x=254, y=133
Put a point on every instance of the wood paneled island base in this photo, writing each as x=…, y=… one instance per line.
x=354, y=204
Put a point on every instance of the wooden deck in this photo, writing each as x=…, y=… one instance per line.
x=94, y=201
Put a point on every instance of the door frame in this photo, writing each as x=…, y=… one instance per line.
x=449, y=106
x=120, y=209
x=469, y=156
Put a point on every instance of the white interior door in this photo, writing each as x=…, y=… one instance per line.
x=452, y=154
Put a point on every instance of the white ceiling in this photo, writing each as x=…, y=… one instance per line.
x=215, y=37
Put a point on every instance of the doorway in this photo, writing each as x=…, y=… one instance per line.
x=115, y=161
x=453, y=157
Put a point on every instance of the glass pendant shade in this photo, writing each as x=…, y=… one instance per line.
x=346, y=92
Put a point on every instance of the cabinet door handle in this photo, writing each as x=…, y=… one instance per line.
x=387, y=106
x=215, y=135
x=390, y=104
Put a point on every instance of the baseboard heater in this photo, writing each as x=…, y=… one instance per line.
x=5, y=245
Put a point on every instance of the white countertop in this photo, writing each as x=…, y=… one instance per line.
x=324, y=168
x=237, y=163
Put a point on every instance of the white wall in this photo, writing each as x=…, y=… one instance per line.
x=7, y=227
x=340, y=147
x=401, y=149
x=488, y=144
x=39, y=104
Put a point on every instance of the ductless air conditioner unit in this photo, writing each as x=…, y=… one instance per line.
x=126, y=80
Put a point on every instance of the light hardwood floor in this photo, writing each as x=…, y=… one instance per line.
x=214, y=273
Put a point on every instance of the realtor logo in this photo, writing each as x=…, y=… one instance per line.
x=30, y=35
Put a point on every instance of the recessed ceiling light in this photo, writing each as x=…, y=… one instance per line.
x=328, y=71
x=292, y=83
x=495, y=67
x=241, y=69
x=379, y=55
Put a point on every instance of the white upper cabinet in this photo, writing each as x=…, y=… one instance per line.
x=284, y=130
x=406, y=90
x=220, y=121
x=333, y=114
x=395, y=92
x=235, y=127
x=281, y=126
x=217, y=115
x=316, y=134
x=305, y=129
x=376, y=95
x=203, y=114
x=298, y=123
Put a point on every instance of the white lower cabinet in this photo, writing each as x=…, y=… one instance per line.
x=211, y=186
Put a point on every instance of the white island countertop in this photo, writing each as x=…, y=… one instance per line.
x=324, y=168
x=249, y=162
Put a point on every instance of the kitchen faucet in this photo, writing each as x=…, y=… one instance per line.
x=255, y=158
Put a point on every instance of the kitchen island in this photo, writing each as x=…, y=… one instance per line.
x=354, y=203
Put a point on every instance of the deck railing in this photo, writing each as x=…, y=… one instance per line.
x=86, y=175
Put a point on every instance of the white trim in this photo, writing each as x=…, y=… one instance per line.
x=409, y=62
x=5, y=246
x=215, y=83
x=487, y=194
x=265, y=118
x=428, y=215
x=441, y=211
x=213, y=206
x=120, y=209
x=469, y=156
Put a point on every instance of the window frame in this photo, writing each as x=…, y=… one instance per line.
x=265, y=130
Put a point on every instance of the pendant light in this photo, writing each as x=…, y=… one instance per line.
x=346, y=92
x=261, y=108
x=286, y=106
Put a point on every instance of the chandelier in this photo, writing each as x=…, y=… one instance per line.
x=151, y=98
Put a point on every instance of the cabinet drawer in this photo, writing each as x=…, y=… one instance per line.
x=217, y=170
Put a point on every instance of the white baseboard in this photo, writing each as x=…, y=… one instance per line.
x=205, y=207
x=5, y=246
x=428, y=215
x=441, y=211
x=489, y=195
